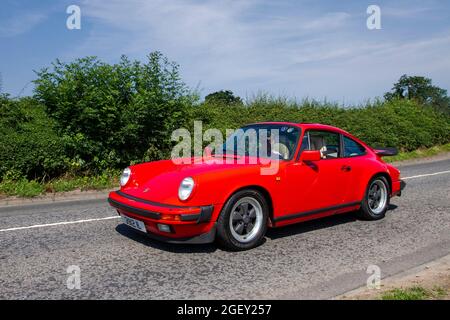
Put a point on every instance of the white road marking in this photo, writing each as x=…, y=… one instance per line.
x=58, y=224
x=426, y=175
x=117, y=217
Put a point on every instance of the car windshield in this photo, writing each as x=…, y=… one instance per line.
x=276, y=141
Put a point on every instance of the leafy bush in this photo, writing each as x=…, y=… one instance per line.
x=111, y=115
x=29, y=146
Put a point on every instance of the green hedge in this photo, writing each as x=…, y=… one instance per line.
x=88, y=117
x=401, y=123
x=29, y=145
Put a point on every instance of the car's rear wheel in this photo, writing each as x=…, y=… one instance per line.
x=242, y=223
x=376, y=199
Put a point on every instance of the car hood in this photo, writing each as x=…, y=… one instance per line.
x=159, y=181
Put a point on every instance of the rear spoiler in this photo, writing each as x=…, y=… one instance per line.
x=386, y=152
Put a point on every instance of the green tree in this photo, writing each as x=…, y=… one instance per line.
x=111, y=115
x=223, y=97
x=420, y=89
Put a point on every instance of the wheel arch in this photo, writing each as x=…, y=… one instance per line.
x=385, y=175
x=265, y=193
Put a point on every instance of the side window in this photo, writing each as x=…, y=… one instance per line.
x=326, y=142
x=352, y=148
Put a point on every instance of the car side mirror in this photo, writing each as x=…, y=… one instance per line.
x=310, y=155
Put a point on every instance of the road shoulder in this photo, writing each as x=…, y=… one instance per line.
x=70, y=196
x=429, y=276
x=438, y=157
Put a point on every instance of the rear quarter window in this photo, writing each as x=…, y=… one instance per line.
x=353, y=148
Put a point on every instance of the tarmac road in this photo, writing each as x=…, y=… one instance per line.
x=317, y=259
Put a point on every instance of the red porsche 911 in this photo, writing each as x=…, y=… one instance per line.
x=226, y=196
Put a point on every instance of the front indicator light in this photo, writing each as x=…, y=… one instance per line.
x=170, y=217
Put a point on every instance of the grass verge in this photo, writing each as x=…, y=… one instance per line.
x=414, y=293
x=420, y=153
x=33, y=188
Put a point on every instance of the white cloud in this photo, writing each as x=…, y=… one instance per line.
x=20, y=24
x=252, y=45
x=408, y=12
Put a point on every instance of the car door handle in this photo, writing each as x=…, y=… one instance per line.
x=346, y=168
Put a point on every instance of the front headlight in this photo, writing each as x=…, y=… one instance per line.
x=125, y=176
x=185, y=189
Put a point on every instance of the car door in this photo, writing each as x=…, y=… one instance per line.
x=317, y=186
x=354, y=155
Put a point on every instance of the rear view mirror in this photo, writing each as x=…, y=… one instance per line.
x=310, y=155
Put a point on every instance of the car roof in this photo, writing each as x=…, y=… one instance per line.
x=315, y=126
x=305, y=126
x=319, y=126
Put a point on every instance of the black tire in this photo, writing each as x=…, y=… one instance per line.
x=367, y=211
x=225, y=235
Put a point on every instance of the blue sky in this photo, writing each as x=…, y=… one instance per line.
x=316, y=49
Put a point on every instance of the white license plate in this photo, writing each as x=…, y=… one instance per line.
x=136, y=224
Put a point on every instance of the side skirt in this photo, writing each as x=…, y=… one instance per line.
x=311, y=213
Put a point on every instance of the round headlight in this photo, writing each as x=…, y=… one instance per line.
x=125, y=176
x=185, y=189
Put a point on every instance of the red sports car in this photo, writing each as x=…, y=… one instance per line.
x=321, y=171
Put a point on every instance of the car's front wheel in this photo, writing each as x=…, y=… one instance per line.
x=242, y=223
x=376, y=199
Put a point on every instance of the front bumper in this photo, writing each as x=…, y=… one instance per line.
x=187, y=224
x=207, y=237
